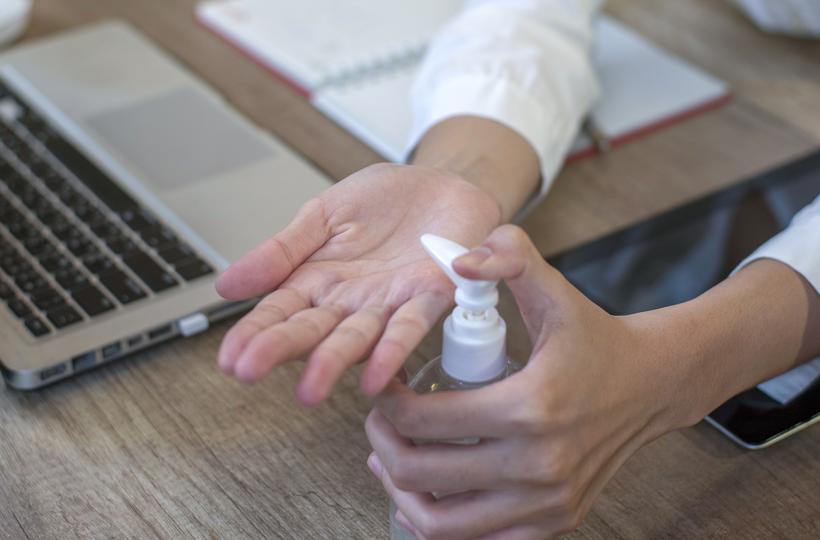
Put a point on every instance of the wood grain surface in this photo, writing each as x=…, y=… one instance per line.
x=161, y=445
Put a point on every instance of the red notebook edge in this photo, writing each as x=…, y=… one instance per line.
x=652, y=127
x=575, y=157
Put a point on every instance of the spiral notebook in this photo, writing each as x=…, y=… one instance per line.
x=356, y=61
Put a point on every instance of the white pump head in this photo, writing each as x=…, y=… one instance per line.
x=472, y=295
x=474, y=335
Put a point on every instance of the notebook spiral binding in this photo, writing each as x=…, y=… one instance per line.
x=406, y=58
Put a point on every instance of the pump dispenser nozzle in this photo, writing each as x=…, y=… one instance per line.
x=472, y=295
x=474, y=335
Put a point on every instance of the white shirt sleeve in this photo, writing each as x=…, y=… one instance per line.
x=798, y=246
x=523, y=63
x=793, y=17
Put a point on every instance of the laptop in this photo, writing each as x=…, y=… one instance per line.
x=126, y=186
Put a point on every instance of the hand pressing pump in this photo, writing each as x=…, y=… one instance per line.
x=474, y=351
x=474, y=348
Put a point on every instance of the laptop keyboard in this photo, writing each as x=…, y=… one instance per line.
x=73, y=244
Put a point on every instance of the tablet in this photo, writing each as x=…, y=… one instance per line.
x=676, y=256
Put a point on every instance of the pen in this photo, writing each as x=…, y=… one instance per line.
x=598, y=137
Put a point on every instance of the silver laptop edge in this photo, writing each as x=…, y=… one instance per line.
x=222, y=190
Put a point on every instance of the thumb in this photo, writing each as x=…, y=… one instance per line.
x=508, y=254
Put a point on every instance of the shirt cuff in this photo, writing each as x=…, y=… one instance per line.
x=797, y=247
x=549, y=132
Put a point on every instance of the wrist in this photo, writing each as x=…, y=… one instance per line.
x=745, y=330
x=485, y=153
x=485, y=213
x=479, y=182
x=659, y=343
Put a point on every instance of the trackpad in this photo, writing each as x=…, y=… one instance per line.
x=178, y=138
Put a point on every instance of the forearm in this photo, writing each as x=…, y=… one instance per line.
x=760, y=322
x=501, y=94
x=487, y=154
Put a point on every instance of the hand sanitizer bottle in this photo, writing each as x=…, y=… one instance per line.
x=474, y=347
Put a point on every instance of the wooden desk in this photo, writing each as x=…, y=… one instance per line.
x=163, y=446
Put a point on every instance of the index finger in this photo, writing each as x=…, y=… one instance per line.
x=488, y=412
x=267, y=265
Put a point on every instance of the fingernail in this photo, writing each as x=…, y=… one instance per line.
x=475, y=256
x=374, y=464
x=404, y=522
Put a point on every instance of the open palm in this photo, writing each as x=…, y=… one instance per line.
x=348, y=278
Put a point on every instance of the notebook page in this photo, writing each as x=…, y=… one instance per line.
x=377, y=111
x=312, y=41
x=642, y=85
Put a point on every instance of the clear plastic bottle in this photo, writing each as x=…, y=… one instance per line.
x=474, y=347
x=430, y=379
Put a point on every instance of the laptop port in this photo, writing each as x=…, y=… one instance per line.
x=134, y=341
x=54, y=371
x=160, y=332
x=110, y=351
x=84, y=361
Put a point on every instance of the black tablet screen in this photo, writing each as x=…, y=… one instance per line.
x=678, y=255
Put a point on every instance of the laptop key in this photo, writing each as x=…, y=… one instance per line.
x=105, y=229
x=53, y=262
x=92, y=300
x=6, y=291
x=38, y=166
x=70, y=278
x=158, y=236
x=149, y=271
x=52, y=179
x=10, y=262
x=79, y=246
x=46, y=298
x=18, y=267
x=36, y=326
x=46, y=252
x=175, y=253
x=124, y=289
x=88, y=173
x=112, y=235
x=138, y=219
x=29, y=195
x=193, y=268
x=36, y=243
x=44, y=210
x=68, y=195
x=122, y=246
x=28, y=283
x=97, y=263
x=15, y=266
x=62, y=228
x=95, y=218
x=63, y=316
x=18, y=307
x=43, y=250
x=84, y=210
x=18, y=227
x=11, y=215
